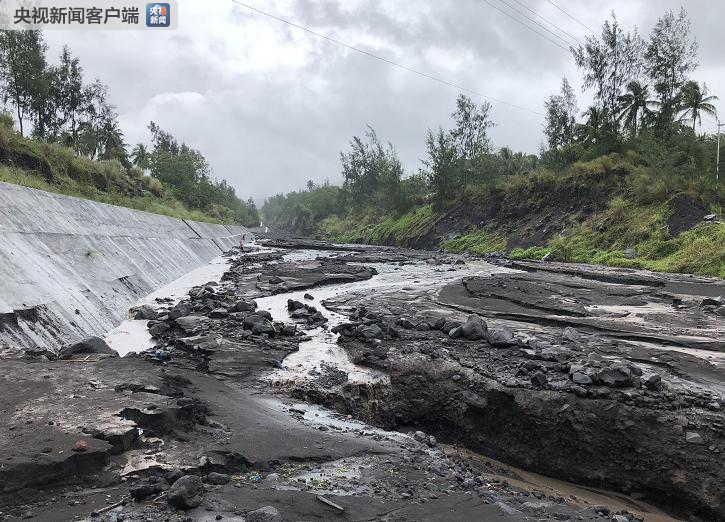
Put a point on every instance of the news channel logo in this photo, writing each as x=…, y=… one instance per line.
x=158, y=15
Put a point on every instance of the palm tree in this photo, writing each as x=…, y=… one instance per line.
x=140, y=156
x=694, y=101
x=634, y=107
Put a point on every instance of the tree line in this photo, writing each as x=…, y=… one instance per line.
x=55, y=103
x=645, y=101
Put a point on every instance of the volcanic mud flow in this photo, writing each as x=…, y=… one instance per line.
x=334, y=382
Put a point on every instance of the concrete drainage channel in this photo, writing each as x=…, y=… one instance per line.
x=223, y=400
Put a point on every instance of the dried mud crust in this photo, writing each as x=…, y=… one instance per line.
x=593, y=376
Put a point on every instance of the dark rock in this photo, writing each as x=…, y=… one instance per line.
x=539, y=379
x=219, y=313
x=581, y=378
x=405, y=323
x=217, y=478
x=263, y=327
x=549, y=256
x=423, y=327
x=265, y=514
x=615, y=376
x=180, y=310
x=145, y=312
x=144, y=491
x=158, y=329
x=274, y=280
x=475, y=328
x=712, y=301
x=372, y=331
x=308, y=297
x=245, y=305
x=90, y=345
x=186, y=493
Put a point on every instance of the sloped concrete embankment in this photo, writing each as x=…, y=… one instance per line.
x=70, y=268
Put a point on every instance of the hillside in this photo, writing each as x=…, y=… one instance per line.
x=53, y=167
x=607, y=211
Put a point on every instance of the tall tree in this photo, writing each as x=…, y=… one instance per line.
x=22, y=70
x=635, y=107
x=69, y=93
x=694, y=101
x=561, y=112
x=140, y=156
x=470, y=134
x=610, y=63
x=441, y=166
x=670, y=57
x=97, y=115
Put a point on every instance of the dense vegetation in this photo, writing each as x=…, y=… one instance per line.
x=68, y=140
x=608, y=186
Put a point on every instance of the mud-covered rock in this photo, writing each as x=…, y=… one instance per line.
x=264, y=514
x=475, y=328
x=186, y=493
x=92, y=345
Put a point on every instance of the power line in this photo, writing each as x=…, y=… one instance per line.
x=570, y=16
x=566, y=42
x=548, y=21
x=389, y=62
x=525, y=25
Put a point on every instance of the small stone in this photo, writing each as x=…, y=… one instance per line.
x=80, y=445
x=309, y=297
x=145, y=312
x=570, y=334
x=539, y=379
x=217, y=478
x=265, y=514
x=694, y=438
x=581, y=378
x=219, y=313
x=653, y=382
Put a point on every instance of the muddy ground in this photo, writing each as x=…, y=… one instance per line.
x=446, y=388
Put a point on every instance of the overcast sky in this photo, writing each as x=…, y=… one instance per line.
x=271, y=106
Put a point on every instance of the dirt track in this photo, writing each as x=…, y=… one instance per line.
x=626, y=398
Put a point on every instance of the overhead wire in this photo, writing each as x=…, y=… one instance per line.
x=526, y=25
x=572, y=17
x=522, y=4
x=386, y=60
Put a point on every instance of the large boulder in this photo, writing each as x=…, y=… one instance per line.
x=475, y=328
x=245, y=305
x=371, y=331
x=145, y=312
x=190, y=323
x=187, y=492
x=90, y=345
x=615, y=376
x=263, y=327
x=501, y=337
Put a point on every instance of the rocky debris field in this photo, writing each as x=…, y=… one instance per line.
x=193, y=430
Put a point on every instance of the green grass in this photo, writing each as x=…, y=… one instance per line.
x=535, y=252
x=70, y=187
x=397, y=230
x=478, y=242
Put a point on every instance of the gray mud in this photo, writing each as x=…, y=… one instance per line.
x=615, y=418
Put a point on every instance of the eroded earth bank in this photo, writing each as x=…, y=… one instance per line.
x=331, y=382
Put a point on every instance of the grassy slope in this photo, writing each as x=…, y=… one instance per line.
x=58, y=169
x=626, y=221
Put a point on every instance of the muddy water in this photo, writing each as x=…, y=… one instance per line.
x=322, y=348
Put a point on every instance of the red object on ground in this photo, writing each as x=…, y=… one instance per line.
x=80, y=445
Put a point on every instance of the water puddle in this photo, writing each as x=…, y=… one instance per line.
x=133, y=336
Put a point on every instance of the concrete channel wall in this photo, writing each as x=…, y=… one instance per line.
x=70, y=267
